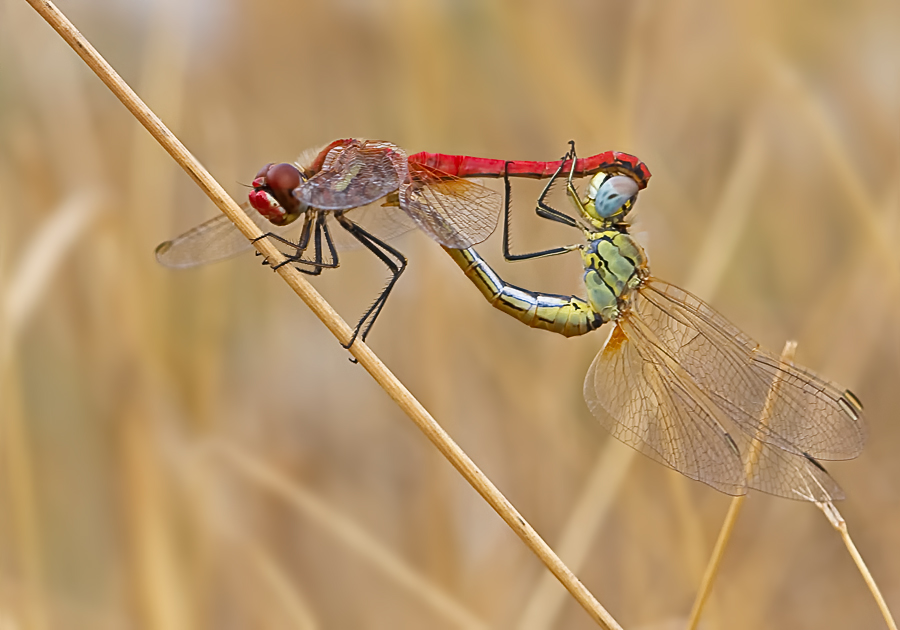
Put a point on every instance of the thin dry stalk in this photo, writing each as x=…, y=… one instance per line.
x=295, y=607
x=24, y=289
x=846, y=173
x=837, y=521
x=597, y=497
x=19, y=469
x=159, y=590
x=712, y=569
x=348, y=533
x=42, y=257
x=367, y=359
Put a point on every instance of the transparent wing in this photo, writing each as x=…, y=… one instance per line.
x=641, y=403
x=354, y=175
x=384, y=221
x=808, y=414
x=214, y=240
x=218, y=239
x=648, y=402
x=456, y=212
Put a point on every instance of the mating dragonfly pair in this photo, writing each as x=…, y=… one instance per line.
x=675, y=380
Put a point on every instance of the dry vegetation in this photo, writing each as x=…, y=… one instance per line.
x=193, y=450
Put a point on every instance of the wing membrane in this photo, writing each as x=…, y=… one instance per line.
x=218, y=239
x=646, y=400
x=354, y=175
x=214, y=240
x=456, y=212
x=807, y=414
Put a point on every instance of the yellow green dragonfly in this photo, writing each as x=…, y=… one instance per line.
x=676, y=380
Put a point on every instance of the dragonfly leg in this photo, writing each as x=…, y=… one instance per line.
x=571, y=192
x=392, y=258
x=323, y=229
x=555, y=251
x=319, y=263
x=299, y=247
x=546, y=211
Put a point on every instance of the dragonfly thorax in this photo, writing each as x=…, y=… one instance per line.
x=614, y=267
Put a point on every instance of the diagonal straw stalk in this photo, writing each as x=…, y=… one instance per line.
x=734, y=509
x=828, y=509
x=345, y=531
x=837, y=521
x=366, y=358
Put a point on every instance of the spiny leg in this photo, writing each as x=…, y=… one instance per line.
x=378, y=305
x=379, y=248
x=540, y=209
x=299, y=246
x=571, y=192
x=332, y=252
x=396, y=266
x=544, y=210
x=318, y=263
x=319, y=226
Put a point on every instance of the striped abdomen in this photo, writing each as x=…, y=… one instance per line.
x=567, y=315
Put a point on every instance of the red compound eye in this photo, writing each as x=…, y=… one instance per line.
x=265, y=169
x=283, y=178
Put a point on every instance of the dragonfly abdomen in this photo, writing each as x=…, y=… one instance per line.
x=567, y=315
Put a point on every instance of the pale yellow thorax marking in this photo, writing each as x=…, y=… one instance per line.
x=342, y=183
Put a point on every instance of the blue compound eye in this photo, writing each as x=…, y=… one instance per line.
x=614, y=197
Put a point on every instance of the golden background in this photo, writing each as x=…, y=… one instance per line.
x=192, y=449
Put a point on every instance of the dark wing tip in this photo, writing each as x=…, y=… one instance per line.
x=161, y=250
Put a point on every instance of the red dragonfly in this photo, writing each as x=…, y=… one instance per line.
x=345, y=181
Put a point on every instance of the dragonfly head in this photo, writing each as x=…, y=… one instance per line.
x=272, y=194
x=610, y=197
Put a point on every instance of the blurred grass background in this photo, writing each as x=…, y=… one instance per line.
x=193, y=450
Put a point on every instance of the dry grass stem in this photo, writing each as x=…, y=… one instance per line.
x=367, y=359
x=42, y=257
x=348, y=533
x=22, y=294
x=837, y=521
x=734, y=509
x=157, y=580
x=846, y=173
x=597, y=497
x=728, y=219
x=296, y=608
x=19, y=469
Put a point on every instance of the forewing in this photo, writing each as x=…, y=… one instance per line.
x=357, y=175
x=645, y=400
x=456, y=212
x=806, y=415
x=214, y=240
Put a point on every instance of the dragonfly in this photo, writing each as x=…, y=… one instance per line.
x=676, y=381
x=342, y=185
x=372, y=191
